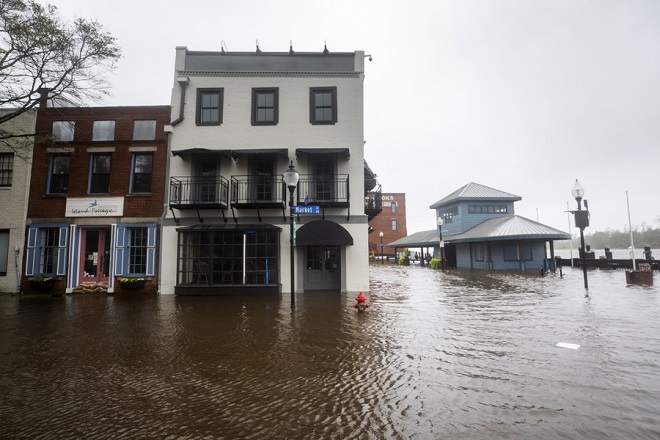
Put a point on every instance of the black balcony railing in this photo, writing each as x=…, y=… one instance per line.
x=328, y=190
x=199, y=192
x=253, y=191
x=373, y=202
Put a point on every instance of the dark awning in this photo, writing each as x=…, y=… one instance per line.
x=190, y=151
x=235, y=154
x=322, y=232
x=231, y=227
x=342, y=151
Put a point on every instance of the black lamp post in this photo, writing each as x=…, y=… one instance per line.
x=290, y=178
x=442, y=245
x=581, y=222
x=381, y=247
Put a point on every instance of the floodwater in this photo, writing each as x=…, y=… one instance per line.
x=455, y=355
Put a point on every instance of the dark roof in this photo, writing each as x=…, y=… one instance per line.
x=475, y=191
x=510, y=227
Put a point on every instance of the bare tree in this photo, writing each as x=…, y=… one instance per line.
x=42, y=57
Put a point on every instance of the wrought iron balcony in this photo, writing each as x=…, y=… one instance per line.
x=199, y=192
x=326, y=190
x=373, y=202
x=254, y=191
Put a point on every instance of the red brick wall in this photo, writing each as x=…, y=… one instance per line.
x=44, y=206
x=383, y=222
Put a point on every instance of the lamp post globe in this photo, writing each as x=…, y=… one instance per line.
x=290, y=178
x=578, y=194
x=442, y=251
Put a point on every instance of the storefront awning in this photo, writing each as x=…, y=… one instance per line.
x=323, y=232
x=341, y=151
x=200, y=151
x=235, y=154
x=230, y=227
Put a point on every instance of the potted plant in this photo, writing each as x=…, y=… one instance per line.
x=131, y=283
x=42, y=283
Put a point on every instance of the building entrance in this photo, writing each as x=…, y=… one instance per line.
x=322, y=268
x=95, y=262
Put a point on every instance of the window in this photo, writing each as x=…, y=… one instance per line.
x=137, y=252
x=58, y=174
x=6, y=168
x=141, y=174
x=99, y=182
x=479, y=253
x=144, y=130
x=103, y=131
x=394, y=225
x=323, y=105
x=393, y=207
x=221, y=254
x=209, y=106
x=63, y=130
x=511, y=252
x=479, y=209
x=264, y=106
x=448, y=214
x=48, y=250
x=526, y=252
x=4, y=251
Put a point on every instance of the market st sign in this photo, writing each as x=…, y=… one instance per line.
x=94, y=207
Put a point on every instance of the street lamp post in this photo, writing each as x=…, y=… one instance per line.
x=442, y=247
x=381, y=247
x=581, y=222
x=290, y=178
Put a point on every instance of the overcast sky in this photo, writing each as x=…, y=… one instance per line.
x=520, y=95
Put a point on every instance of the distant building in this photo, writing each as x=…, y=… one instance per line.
x=481, y=231
x=15, y=160
x=391, y=221
x=97, y=196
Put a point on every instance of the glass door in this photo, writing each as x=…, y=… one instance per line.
x=95, y=264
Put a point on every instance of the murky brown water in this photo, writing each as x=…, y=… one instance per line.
x=438, y=355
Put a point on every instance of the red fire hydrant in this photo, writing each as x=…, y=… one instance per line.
x=361, y=304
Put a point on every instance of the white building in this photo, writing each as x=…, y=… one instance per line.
x=240, y=120
x=15, y=169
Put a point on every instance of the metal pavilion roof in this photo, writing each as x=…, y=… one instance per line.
x=511, y=227
x=475, y=191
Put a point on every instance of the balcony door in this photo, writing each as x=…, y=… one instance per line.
x=262, y=181
x=324, y=178
x=95, y=246
x=205, y=183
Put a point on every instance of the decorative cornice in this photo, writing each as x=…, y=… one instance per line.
x=270, y=74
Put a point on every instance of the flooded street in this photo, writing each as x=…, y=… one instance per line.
x=460, y=355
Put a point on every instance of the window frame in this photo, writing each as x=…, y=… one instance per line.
x=313, y=91
x=199, y=112
x=256, y=92
x=135, y=173
x=151, y=129
x=51, y=166
x=99, y=128
x=62, y=130
x=6, y=169
x=4, y=251
x=138, y=250
x=394, y=225
x=94, y=175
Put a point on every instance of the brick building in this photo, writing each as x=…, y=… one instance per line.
x=391, y=222
x=97, y=196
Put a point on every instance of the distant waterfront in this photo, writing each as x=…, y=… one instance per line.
x=617, y=254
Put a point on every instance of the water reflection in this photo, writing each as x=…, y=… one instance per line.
x=438, y=355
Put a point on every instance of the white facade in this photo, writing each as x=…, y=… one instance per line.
x=15, y=159
x=238, y=150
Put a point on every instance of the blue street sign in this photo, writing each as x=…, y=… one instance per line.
x=309, y=209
